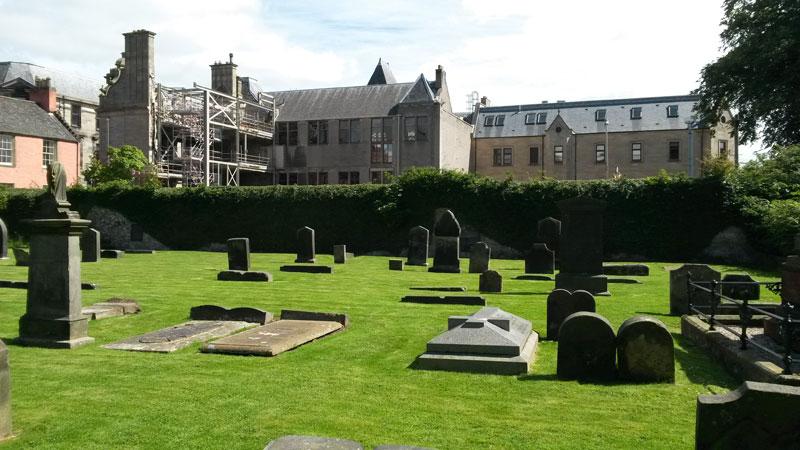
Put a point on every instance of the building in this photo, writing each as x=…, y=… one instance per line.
x=632, y=138
x=361, y=134
x=31, y=137
x=76, y=98
x=194, y=135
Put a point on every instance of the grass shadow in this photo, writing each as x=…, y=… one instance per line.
x=524, y=293
x=694, y=361
x=648, y=313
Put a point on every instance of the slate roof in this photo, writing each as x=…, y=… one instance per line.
x=382, y=74
x=580, y=116
x=339, y=102
x=66, y=84
x=26, y=118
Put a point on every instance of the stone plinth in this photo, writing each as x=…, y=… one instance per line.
x=581, y=246
x=418, y=239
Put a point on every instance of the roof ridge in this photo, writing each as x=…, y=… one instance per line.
x=348, y=87
x=588, y=103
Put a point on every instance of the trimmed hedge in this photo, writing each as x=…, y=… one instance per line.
x=665, y=218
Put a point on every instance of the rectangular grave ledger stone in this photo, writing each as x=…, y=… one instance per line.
x=307, y=269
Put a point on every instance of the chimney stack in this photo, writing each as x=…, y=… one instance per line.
x=44, y=95
x=440, y=77
x=224, y=77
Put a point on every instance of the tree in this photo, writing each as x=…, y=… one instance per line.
x=772, y=175
x=759, y=75
x=125, y=164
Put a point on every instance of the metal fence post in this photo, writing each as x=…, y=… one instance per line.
x=714, y=302
x=744, y=317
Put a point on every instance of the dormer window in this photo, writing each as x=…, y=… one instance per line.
x=488, y=121
x=636, y=113
x=541, y=118
x=499, y=120
x=600, y=115
x=672, y=111
x=530, y=119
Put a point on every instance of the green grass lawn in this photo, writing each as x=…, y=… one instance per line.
x=355, y=384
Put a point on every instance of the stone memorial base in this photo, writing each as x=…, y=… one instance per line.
x=53, y=333
x=623, y=281
x=243, y=275
x=111, y=254
x=594, y=284
x=640, y=270
x=110, y=308
x=534, y=278
x=24, y=285
x=295, y=442
x=500, y=365
x=445, y=269
x=445, y=300
x=273, y=338
x=138, y=251
x=307, y=269
x=440, y=288
x=170, y=339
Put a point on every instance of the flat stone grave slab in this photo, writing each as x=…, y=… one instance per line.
x=534, y=278
x=110, y=308
x=111, y=254
x=489, y=341
x=307, y=269
x=640, y=270
x=296, y=442
x=139, y=251
x=445, y=300
x=623, y=281
x=439, y=288
x=244, y=275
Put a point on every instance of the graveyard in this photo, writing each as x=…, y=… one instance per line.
x=356, y=383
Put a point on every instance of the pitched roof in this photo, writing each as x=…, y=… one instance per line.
x=580, y=116
x=23, y=117
x=66, y=84
x=339, y=102
x=419, y=92
x=382, y=74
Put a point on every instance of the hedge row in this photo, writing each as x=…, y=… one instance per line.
x=664, y=218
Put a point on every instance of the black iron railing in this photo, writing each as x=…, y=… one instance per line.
x=786, y=316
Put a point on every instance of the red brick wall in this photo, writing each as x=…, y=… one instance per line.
x=27, y=170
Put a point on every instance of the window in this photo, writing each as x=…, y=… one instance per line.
x=349, y=131
x=636, y=152
x=541, y=118
x=502, y=157
x=322, y=178
x=6, y=150
x=507, y=157
x=530, y=118
x=282, y=178
x=600, y=115
x=558, y=154
x=75, y=116
x=416, y=129
x=674, y=151
x=499, y=120
x=318, y=132
x=488, y=121
x=381, y=139
x=354, y=178
x=600, y=153
x=380, y=177
x=636, y=113
x=348, y=178
x=287, y=133
x=723, y=148
x=534, y=155
x=48, y=152
x=293, y=178
x=312, y=178
x=672, y=111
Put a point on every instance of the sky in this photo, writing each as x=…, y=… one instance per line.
x=512, y=51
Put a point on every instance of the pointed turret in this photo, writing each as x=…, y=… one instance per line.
x=381, y=75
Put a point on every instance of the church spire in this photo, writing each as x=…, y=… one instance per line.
x=382, y=74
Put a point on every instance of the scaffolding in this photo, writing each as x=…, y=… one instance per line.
x=206, y=137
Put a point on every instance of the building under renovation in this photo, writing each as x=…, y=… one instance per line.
x=217, y=135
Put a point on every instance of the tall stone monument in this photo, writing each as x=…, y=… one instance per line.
x=53, y=317
x=3, y=240
x=418, y=239
x=5, y=394
x=446, y=235
x=306, y=251
x=581, y=246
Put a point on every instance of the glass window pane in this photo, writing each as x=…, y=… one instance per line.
x=343, y=178
x=422, y=128
x=344, y=131
x=507, y=157
x=355, y=131
x=388, y=132
x=354, y=178
x=489, y=121
x=411, y=129
x=500, y=120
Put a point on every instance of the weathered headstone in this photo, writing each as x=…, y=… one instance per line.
x=540, y=259
x=339, y=254
x=490, y=281
x=5, y=394
x=678, y=289
x=296, y=442
x=479, y=256
x=396, y=264
x=111, y=254
x=753, y=417
x=581, y=246
x=3, y=240
x=645, y=352
x=746, y=288
x=640, y=270
x=306, y=245
x=53, y=316
x=239, y=254
x=489, y=341
x=549, y=232
x=418, y=239
x=446, y=236
x=90, y=245
x=562, y=304
x=586, y=348
x=21, y=257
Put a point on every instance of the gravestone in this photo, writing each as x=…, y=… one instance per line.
x=755, y=416
x=439, y=288
x=489, y=341
x=339, y=254
x=490, y=281
x=307, y=269
x=418, y=239
x=396, y=264
x=53, y=315
x=540, y=259
x=239, y=254
x=749, y=289
x=90, y=245
x=297, y=442
x=645, y=352
x=111, y=254
x=790, y=279
x=586, y=348
x=678, y=290
x=5, y=394
x=306, y=245
x=548, y=231
x=446, y=235
x=445, y=300
x=640, y=270
x=562, y=304
x=3, y=240
x=112, y=307
x=21, y=257
x=581, y=246
x=479, y=255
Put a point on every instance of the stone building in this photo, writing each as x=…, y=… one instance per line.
x=76, y=99
x=632, y=138
x=31, y=137
x=361, y=134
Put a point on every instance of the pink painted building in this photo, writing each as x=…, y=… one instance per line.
x=31, y=136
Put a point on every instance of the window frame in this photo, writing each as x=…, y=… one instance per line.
x=75, y=111
x=10, y=150
x=634, y=150
x=677, y=148
x=670, y=114
x=508, y=152
x=499, y=120
x=541, y=118
x=530, y=118
x=320, y=132
x=558, y=154
x=600, y=115
x=533, y=156
x=598, y=150
x=497, y=157
x=381, y=141
x=53, y=154
x=637, y=116
x=722, y=147
x=418, y=125
x=488, y=121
